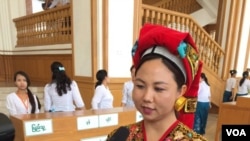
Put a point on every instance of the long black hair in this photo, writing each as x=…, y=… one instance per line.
x=100, y=76
x=30, y=95
x=244, y=76
x=60, y=77
x=204, y=77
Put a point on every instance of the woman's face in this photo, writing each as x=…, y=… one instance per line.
x=21, y=82
x=155, y=90
x=107, y=79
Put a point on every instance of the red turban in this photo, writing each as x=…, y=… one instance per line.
x=178, y=47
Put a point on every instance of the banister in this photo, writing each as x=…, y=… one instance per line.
x=47, y=27
x=210, y=52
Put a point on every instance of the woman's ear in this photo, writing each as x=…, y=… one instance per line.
x=180, y=100
x=183, y=90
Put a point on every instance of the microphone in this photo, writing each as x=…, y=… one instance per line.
x=121, y=134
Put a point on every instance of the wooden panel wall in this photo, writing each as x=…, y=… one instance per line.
x=2, y=70
x=38, y=66
x=6, y=71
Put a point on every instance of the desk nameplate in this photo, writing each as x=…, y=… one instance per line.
x=100, y=138
x=138, y=117
x=108, y=120
x=87, y=122
x=38, y=127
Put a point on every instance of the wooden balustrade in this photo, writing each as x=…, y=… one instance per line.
x=48, y=27
x=187, y=6
x=209, y=51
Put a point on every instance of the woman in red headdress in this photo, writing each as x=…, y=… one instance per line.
x=167, y=70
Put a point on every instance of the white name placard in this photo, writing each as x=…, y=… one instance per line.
x=100, y=138
x=87, y=122
x=108, y=120
x=139, y=116
x=38, y=127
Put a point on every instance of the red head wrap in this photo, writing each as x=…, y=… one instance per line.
x=178, y=47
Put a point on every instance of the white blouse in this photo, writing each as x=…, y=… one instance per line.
x=244, y=88
x=54, y=102
x=16, y=106
x=127, y=94
x=102, y=98
x=231, y=83
x=204, y=92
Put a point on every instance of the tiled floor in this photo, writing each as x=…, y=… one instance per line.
x=211, y=126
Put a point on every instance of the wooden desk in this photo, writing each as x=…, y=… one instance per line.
x=233, y=113
x=65, y=124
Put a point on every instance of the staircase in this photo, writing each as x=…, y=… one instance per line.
x=210, y=52
x=7, y=90
x=203, y=11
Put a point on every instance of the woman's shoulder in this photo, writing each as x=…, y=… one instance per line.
x=128, y=82
x=73, y=83
x=48, y=85
x=133, y=129
x=100, y=87
x=182, y=132
x=13, y=94
x=232, y=79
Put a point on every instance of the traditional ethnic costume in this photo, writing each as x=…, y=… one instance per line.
x=177, y=132
x=181, y=46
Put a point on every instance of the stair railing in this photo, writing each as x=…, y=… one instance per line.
x=210, y=51
x=48, y=27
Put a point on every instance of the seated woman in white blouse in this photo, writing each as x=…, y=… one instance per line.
x=102, y=98
x=61, y=94
x=22, y=101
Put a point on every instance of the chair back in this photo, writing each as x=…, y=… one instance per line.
x=7, y=130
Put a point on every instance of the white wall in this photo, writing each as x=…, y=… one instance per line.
x=36, y=6
x=9, y=9
x=243, y=42
x=203, y=18
x=82, y=37
x=120, y=37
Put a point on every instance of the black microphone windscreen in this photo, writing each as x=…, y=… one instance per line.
x=121, y=134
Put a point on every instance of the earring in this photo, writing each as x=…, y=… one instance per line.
x=180, y=103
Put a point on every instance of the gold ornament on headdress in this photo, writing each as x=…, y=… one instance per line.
x=192, y=57
x=180, y=103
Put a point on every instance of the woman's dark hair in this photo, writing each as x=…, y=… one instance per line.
x=131, y=68
x=100, y=76
x=178, y=75
x=244, y=76
x=204, y=77
x=38, y=103
x=30, y=95
x=60, y=77
x=233, y=72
